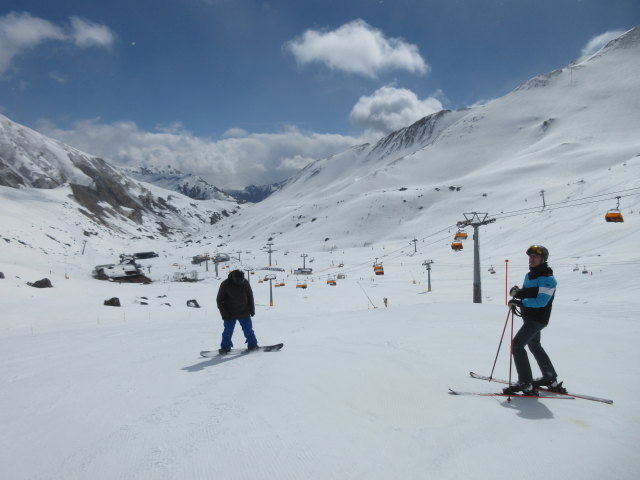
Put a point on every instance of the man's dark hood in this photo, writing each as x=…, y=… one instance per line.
x=237, y=277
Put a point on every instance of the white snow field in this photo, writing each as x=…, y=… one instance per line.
x=359, y=391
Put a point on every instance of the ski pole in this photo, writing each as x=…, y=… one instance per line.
x=510, y=356
x=500, y=344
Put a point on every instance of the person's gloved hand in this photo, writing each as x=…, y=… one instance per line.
x=513, y=304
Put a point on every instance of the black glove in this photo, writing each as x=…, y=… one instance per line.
x=514, y=291
x=513, y=304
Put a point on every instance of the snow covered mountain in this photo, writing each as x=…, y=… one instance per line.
x=170, y=178
x=563, y=132
x=256, y=193
x=103, y=193
x=196, y=187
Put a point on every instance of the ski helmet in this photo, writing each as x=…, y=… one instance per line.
x=539, y=250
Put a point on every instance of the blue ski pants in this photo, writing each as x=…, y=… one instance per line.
x=247, y=329
x=529, y=334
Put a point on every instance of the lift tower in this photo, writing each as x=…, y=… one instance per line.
x=476, y=220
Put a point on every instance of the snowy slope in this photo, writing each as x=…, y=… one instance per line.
x=560, y=132
x=99, y=190
x=359, y=390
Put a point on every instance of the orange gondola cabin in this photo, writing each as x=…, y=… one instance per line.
x=457, y=246
x=614, y=215
x=460, y=235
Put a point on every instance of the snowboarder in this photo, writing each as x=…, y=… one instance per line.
x=534, y=300
x=235, y=302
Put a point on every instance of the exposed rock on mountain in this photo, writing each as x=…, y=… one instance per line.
x=103, y=193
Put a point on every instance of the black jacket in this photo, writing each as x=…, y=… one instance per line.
x=235, y=297
x=537, y=294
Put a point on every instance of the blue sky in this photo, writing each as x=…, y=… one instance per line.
x=243, y=91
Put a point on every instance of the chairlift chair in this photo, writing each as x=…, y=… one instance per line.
x=614, y=215
x=460, y=235
x=301, y=285
x=457, y=246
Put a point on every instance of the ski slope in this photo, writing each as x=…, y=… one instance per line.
x=90, y=391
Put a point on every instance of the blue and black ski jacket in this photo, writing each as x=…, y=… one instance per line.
x=537, y=294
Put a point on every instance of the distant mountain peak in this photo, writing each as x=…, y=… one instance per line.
x=171, y=178
x=103, y=193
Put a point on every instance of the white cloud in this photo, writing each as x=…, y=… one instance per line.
x=58, y=77
x=235, y=133
x=599, y=41
x=228, y=163
x=390, y=109
x=357, y=47
x=88, y=34
x=21, y=31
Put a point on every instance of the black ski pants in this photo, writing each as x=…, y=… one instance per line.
x=529, y=334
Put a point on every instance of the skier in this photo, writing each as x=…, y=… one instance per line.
x=235, y=302
x=534, y=300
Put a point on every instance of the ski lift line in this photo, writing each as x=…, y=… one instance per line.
x=598, y=264
x=399, y=252
x=537, y=208
x=550, y=209
x=515, y=214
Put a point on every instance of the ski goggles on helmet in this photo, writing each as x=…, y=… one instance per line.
x=538, y=250
x=535, y=249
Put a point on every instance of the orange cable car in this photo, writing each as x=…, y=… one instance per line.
x=332, y=282
x=614, y=215
x=460, y=235
x=457, y=246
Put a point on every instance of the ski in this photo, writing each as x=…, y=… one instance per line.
x=266, y=348
x=543, y=389
x=513, y=395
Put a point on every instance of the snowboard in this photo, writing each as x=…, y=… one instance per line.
x=266, y=348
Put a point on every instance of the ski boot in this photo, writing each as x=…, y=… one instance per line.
x=550, y=384
x=524, y=388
